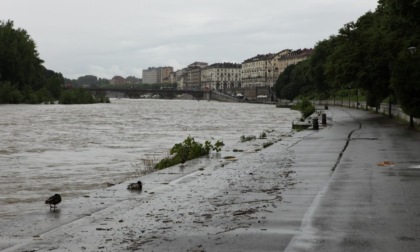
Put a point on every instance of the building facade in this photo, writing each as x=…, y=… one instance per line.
x=292, y=57
x=221, y=76
x=166, y=74
x=264, y=70
x=259, y=71
x=273, y=67
x=255, y=71
x=191, y=76
x=154, y=75
x=118, y=80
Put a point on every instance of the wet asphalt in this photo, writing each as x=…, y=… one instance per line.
x=353, y=185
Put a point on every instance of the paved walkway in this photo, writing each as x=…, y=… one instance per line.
x=366, y=206
x=317, y=191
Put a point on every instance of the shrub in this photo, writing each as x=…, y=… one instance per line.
x=188, y=150
x=247, y=138
x=80, y=96
x=305, y=107
x=263, y=135
x=265, y=145
x=9, y=94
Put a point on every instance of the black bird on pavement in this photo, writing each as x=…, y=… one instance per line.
x=53, y=200
x=135, y=186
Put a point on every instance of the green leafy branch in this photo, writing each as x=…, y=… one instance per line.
x=187, y=150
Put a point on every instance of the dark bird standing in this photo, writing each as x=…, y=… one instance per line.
x=135, y=186
x=53, y=200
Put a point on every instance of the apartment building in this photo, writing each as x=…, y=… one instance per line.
x=264, y=70
x=255, y=70
x=118, y=80
x=273, y=67
x=154, y=75
x=292, y=57
x=166, y=74
x=221, y=76
x=133, y=80
x=259, y=71
x=191, y=76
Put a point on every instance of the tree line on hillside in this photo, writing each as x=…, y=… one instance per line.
x=370, y=55
x=23, y=78
x=86, y=81
x=93, y=81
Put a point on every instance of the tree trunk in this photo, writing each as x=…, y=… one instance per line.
x=390, y=108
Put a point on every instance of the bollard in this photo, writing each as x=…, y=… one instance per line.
x=324, y=119
x=326, y=107
x=315, y=125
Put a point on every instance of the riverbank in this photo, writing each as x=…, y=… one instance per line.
x=117, y=219
x=316, y=191
x=74, y=150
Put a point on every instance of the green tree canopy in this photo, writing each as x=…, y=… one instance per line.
x=369, y=54
x=402, y=23
x=283, y=84
x=23, y=78
x=20, y=63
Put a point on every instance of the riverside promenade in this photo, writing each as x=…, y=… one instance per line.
x=353, y=185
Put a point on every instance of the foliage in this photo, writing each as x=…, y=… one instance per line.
x=23, y=78
x=247, y=138
x=20, y=63
x=361, y=58
x=375, y=41
x=283, y=84
x=317, y=65
x=94, y=81
x=80, y=96
x=187, y=150
x=263, y=135
x=9, y=94
x=369, y=55
x=402, y=24
x=305, y=107
x=293, y=80
x=267, y=144
x=406, y=83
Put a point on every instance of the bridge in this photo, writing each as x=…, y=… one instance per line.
x=139, y=93
x=136, y=93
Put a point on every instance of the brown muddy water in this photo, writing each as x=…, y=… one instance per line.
x=75, y=149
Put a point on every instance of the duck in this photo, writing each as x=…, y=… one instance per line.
x=53, y=200
x=135, y=186
x=108, y=184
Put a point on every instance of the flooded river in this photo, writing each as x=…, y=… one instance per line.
x=75, y=149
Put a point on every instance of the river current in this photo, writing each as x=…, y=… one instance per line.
x=75, y=149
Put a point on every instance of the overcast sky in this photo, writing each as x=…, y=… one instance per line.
x=122, y=37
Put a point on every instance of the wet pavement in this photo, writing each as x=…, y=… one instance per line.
x=326, y=190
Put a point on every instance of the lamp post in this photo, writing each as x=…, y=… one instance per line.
x=412, y=50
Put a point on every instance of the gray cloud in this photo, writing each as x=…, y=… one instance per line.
x=109, y=37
